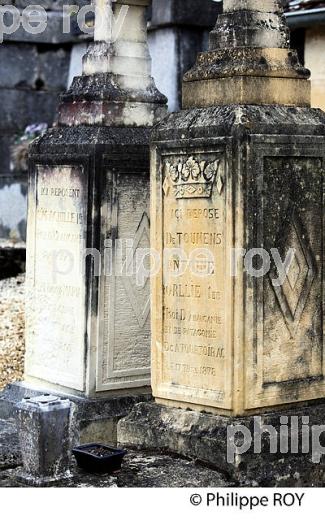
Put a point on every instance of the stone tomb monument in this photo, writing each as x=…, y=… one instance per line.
x=88, y=324
x=237, y=188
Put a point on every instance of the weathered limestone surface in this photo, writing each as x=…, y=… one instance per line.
x=236, y=344
x=237, y=173
x=88, y=327
x=235, y=177
x=116, y=88
x=78, y=314
x=249, y=61
x=95, y=419
x=204, y=438
x=45, y=438
x=88, y=315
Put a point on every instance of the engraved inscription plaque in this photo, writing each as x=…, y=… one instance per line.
x=228, y=336
x=56, y=307
x=191, y=355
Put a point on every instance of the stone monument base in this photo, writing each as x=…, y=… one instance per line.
x=29, y=481
x=210, y=439
x=96, y=419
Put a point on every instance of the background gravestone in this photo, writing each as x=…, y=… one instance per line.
x=88, y=327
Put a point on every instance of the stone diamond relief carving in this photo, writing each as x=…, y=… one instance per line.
x=294, y=273
x=293, y=295
x=136, y=293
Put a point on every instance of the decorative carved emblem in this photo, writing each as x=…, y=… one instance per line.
x=192, y=179
x=293, y=295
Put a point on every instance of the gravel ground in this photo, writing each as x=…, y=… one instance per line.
x=12, y=344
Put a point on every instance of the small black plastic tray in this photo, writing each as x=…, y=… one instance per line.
x=98, y=458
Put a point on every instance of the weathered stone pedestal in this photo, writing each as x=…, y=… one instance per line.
x=45, y=435
x=95, y=418
x=238, y=213
x=88, y=325
x=238, y=180
x=273, y=449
